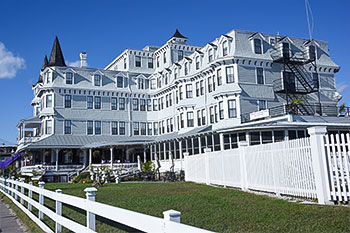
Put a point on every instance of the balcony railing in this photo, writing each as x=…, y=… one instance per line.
x=298, y=109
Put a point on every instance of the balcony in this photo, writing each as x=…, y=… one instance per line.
x=282, y=55
x=297, y=109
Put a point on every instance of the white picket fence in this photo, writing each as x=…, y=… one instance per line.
x=314, y=167
x=15, y=190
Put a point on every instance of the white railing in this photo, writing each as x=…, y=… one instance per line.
x=317, y=167
x=15, y=190
x=338, y=166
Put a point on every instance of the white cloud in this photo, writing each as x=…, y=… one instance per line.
x=74, y=63
x=342, y=86
x=9, y=63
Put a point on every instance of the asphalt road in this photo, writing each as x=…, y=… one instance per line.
x=8, y=220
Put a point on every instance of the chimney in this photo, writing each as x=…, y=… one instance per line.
x=83, y=56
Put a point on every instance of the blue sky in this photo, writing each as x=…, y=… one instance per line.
x=105, y=28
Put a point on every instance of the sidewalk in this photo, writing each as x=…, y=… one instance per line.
x=8, y=220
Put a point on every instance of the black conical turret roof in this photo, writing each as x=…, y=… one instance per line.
x=45, y=63
x=56, y=57
x=178, y=35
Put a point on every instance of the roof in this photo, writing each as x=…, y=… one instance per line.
x=178, y=35
x=56, y=57
x=45, y=63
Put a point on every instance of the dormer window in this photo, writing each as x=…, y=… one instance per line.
x=186, y=68
x=124, y=63
x=137, y=61
x=164, y=57
x=157, y=61
x=224, y=48
x=197, y=63
x=175, y=73
x=69, y=78
x=285, y=50
x=257, y=46
x=120, y=83
x=48, y=77
x=312, y=52
x=97, y=80
x=210, y=55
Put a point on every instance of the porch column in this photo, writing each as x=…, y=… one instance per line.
x=57, y=150
x=85, y=157
x=151, y=152
x=164, y=150
x=199, y=145
x=90, y=158
x=221, y=141
x=111, y=149
x=144, y=154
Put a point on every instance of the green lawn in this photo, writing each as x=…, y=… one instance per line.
x=216, y=209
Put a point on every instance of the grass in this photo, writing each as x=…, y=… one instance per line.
x=216, y=209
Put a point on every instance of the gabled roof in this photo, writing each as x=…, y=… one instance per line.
x=178, y=35
x=45, y=63
x=56, y=57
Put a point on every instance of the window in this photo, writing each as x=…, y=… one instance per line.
x=229, y=75
x=97, y=127
x=213, y=82
x=157, y=61
x=136, y=128
x=219, y=77
x=175, y=73
x=135, y=104
x=156, y=129
x=121, y=103
x=177, y=96
x=48, y=77
x=48, y=127
x=67, y=101
x=315, y=80
x=210, y=85
x=147, y=84
x=199, y=119
x=216, y=113
x=232, y=112
x=272, y=41
x=89, y=126
x=224, y=48
x=278, y=135
x=182, y=123
x=97, y=102
x=257, y=46
x=155, y=105
x=149, y=128
x=140, y=83
x=180, y=92
x=210, y=55
x=67, y=127
x=150, y=62
x=254, y=138
x=114, y=127
x=49, y=101
x=221, y=110
x=266, y=137
x=211, y=112
x=197, y=89
x=114, y=103
x=167, y=101
x=171, y=125
x=69, y=78
x=97, y=80
x=189, y=91
x=201, y=84
x=170, y=99
x=261, y=105
x=168, y=125
x=164, y=57
x=143, y=128
x=149, y=105
x=142, y=105
x=312, y=52
x=285, y=50
x=89, y=101
x=203, y=117
x=197, y=63
x=180, y=55
x=120, y=82
x=186, y=68
x=190, y=122
x=122, y=127
x=137, y=61
x=260, y=75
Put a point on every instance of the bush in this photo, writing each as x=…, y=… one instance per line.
x=81, y=177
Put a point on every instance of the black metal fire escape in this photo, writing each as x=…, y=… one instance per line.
x=297, y=83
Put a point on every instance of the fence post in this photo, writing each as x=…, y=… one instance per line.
x=30, y=195
x=242, y=146
x=12, y=185
x=16, y=187
x=58, y=212
x=186, y=154
x=206, y=164
x=41, y=199
x=172, y=215
x=90, y=195
x=22, y=190
x=319, y=163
